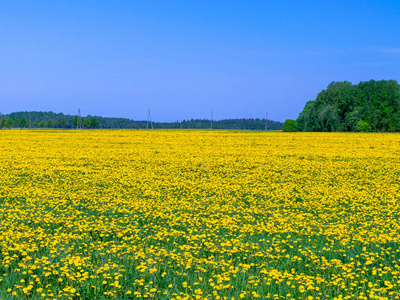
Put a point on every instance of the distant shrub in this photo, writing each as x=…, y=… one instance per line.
x=364, y=126
x=289, y=126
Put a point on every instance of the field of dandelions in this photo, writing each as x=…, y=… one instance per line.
x=199, y=215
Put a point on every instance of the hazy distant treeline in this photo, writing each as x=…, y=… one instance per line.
x=239, y=124
x=35, y=119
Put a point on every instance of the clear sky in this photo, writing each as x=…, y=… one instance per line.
x=182, y=59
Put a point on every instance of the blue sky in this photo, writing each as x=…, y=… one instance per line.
x=182, y=59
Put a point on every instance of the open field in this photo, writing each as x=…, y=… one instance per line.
x=199, y=214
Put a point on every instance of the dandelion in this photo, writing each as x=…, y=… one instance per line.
x=199, y=214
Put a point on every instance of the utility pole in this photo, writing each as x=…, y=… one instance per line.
x=149, y=120
x=211, y=118
x=266, y=121
x=79, y=121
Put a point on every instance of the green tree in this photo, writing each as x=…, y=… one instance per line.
x=93, y=122
x=56, y=124
x=87, y=122
x=343, y=105
x=75, y=121
x=63, y=123
x=23, y=122
x=42, y=124
x=36, y=123
x=289, y=126
x=351, y=120
x=16, y=123
x=304, y=116
x=9, y=123
x=49, y=123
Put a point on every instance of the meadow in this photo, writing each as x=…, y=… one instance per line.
x=199, y=215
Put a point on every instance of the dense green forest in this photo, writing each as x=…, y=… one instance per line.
x=367, y=106
x=36, y=119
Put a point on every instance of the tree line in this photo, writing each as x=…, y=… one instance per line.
x=235, y=124
x=370, y=106
x=36, y=119
x=45, y=120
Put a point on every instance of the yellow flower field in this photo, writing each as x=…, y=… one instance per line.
x=199, y=215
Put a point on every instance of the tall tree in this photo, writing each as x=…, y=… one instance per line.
x=304, y=116
x=93, y=122
x=75, y=121
x=9, y=123
x=87, y=122
x=23, y=122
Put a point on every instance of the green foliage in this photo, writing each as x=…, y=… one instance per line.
x=93, y=122
x=9, y=123
x=49, y=123
x=86, y=122
x=289, y=126
x=63, y=123
x=75, y=121
x=342, y=106
x=16, y=123
x=42, y=124
x=303, y=118
x=56, y=124
x=23, y=122
x=364, y=126
x=239, y=124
